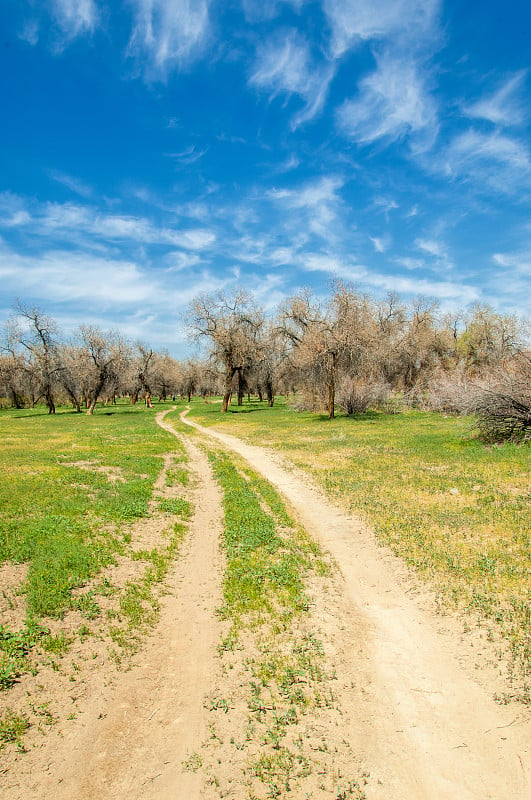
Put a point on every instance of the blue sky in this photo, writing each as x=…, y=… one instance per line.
x=154, y=149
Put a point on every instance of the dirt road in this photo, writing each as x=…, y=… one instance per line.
x=406, y=711
x=426, y=730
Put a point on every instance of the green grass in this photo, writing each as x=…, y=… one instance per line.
x=12, y=728
x=67, y=522
x=264, y=567
x=455, y=510
x=70, y=488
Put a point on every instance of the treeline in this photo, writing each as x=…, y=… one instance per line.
x=345, y=351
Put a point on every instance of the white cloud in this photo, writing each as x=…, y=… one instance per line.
x=380, y=244
x=178, y=261
x=260, y=10
x=74, y=184
x=187, y=156
x=73, y=222
x=74, y=17
x=503, y=107
x=432, y=247
x=489, y=159
x=393, y=102
x=168, y=34
x=284, y=67
x=318, y=202
x=411, y=263
x=515, y=262
x=353, y=21
x=70, y=277
x=30, y=32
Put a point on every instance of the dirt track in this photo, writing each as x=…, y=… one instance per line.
x=415, y=719
x=430, y=731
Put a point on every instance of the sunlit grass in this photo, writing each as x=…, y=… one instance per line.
x=70, y=488
x=457, y=511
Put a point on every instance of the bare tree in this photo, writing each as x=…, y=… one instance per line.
x=70, y=375
x=38, y=335
x=328, y=340
x=230, y=323
x=142, y=369
x=106, y=357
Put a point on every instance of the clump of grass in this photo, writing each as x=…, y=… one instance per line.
x=12, y=728
x=175, y=505
x=16, y=649
x=177, y=476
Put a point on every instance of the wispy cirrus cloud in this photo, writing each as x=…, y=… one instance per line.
x=505, y=106
x=490, y=160
x=72, y=222
x=187, y=156
x=70, y=18
x=74, y=184
x=284, y=66
x=317, y=202
x=452, y=292
x=74, y=17
x=393, y=103
x=261, y=10
x=168, y=34
x=355, y=21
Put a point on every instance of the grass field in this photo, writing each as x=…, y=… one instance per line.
x=71, y=487
x=455, y=510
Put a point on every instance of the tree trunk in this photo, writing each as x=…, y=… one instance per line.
x=331, y=387
x=270, y=395
x=95, y=395
x=241, y=387
x=228, y=389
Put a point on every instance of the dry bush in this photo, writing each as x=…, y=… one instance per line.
x=356, y=396
x=502, y=403
x=448, y=393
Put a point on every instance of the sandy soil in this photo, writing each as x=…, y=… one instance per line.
x=409, y=711
x=425, y=727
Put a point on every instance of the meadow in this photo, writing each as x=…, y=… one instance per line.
x=458, y=512
x=73, y=486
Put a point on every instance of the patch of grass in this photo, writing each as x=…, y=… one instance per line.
x=71, y=488
x=456, y=511
x=284, y=676
x=16, y=649
x=175, y=505
x=177, y=476
x=58, y=511
x=12, y=728
x=139, y=604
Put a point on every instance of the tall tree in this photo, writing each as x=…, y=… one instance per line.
x=38, y=335
x=230, y=324
x=106, y=357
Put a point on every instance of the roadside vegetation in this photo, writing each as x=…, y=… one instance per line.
x=78, y=580
x=457, y=511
